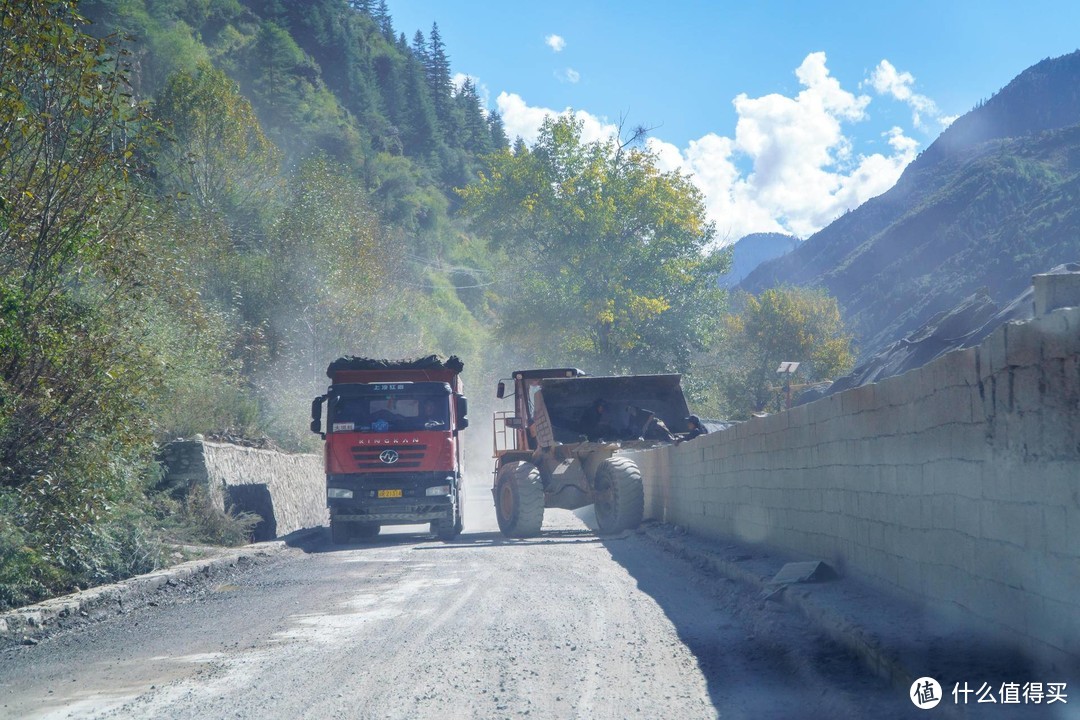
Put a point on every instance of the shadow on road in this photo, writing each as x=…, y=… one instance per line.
x=318, y=540
x=745, y=660
x=494, y=539
x=697, y=627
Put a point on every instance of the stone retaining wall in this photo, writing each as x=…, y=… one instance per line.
x=957, y=483
x=287, y=490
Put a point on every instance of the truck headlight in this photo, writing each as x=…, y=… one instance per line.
x=438, y=490
x=340, y=493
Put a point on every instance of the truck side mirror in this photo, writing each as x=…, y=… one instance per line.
x=462, y=412
x=316, y=416
x=500, y=390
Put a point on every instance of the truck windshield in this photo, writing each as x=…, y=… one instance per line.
x=389, y=413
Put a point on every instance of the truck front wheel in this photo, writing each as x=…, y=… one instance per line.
x=339, y=531
x=519, y=500
x=620, y=497
x=447, y=531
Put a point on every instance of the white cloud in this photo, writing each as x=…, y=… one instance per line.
x=668, y=156
x=555, y=42
x=569, y=75
x=803, y=171
x=887, y=80
x=790, y=166
x=523, y=120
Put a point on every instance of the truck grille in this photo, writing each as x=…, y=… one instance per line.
x=408, y=456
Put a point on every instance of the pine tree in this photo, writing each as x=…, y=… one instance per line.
x=420, y=48
x=419, y=123
x=438, y=73
x=498, y=130
x=276, y=55
x=381, y=14
x=476, y=136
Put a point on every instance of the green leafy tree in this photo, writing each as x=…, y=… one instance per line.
x=68, y=136
x=786, y=324
x=605, y=253
x=217, y=155
x=75, y=372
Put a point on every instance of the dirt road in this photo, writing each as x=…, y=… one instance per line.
x=567, y=625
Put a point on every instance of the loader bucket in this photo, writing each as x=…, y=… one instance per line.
x=565, y=407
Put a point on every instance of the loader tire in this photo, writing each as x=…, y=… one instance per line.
x=621, y=497
x=519, y=500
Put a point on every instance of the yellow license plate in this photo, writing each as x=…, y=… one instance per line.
x=389, y=493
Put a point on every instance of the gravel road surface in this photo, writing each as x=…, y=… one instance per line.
x=567, y=625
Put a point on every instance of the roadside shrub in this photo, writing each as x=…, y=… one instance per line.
x=45, y=553
x=195, y=519
x=24, y=578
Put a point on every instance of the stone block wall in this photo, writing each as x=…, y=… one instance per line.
x=287, y=490
x=957, y=483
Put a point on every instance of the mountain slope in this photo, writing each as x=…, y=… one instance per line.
x=990, y=203
x=752, y=250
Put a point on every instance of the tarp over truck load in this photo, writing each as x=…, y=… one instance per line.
x=429, y=362
x=431, y=368
x=565, y=407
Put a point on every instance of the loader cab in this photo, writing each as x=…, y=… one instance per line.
x=513, y=427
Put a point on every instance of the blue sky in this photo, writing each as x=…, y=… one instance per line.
x=786, y=114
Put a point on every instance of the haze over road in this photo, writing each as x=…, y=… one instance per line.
x=567, y=625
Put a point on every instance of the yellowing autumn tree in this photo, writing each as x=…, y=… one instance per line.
x=605, y=263
x=786, y=324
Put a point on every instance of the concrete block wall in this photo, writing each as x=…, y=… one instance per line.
x=287, y=490
x=957, y=483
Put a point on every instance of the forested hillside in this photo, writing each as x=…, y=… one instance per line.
x=327, y=77
x=990, y=203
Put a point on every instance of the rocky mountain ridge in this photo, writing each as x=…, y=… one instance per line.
x=993, y=201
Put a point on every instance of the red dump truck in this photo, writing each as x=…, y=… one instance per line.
x=393, y=446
